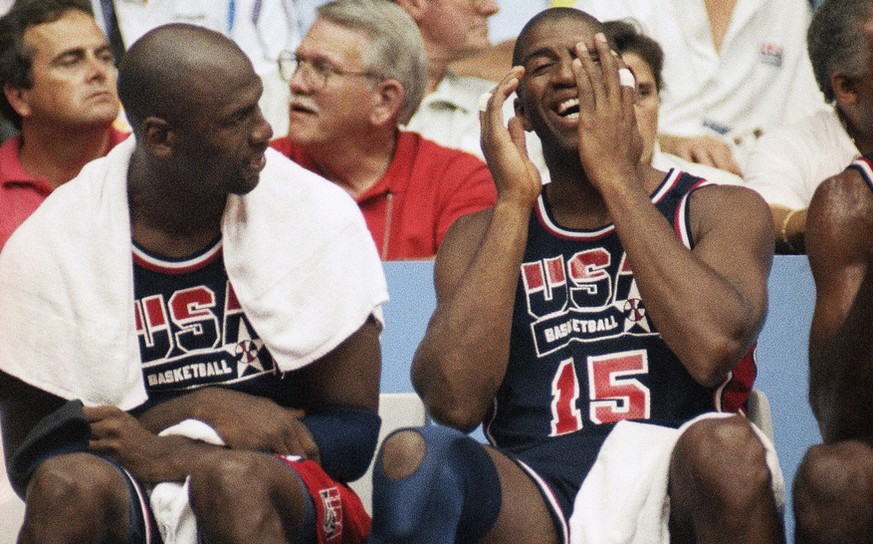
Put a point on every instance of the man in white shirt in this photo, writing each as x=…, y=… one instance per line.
x=451, y=30
x=733, y=70
x=788, y=165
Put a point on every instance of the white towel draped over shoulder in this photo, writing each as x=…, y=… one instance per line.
x=296, y=248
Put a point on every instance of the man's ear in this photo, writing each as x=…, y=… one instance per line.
x=158, y=136
x=390, y=95
x=18, y=99
x=415, y=8
x=845, y=88
x=519, y=112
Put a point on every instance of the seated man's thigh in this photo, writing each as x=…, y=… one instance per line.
x=524, y=516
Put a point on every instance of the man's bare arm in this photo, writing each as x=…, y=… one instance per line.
x=708, y=303
x=462, y=359
x=839, y=244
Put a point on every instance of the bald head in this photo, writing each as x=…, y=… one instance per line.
x=173, y=69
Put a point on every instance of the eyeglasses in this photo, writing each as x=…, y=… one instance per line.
x=315, y=72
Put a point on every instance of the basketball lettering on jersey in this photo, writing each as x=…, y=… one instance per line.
x=191, y=327
x=583, y=350
x=586, y=299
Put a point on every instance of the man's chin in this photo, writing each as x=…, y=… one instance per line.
x=246, y=185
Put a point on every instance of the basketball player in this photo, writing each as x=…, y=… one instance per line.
x=173, y=284
x=616, y=292
x=834, y=484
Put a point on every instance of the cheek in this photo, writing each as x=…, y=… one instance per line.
x=647, y=119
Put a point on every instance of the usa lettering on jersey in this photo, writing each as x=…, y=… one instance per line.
x=581, y=301
x=188, y=339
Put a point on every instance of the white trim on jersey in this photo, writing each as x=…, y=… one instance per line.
x=681, y=222
x=718, y=394
x=173, y=266
x=145, y=511
x=672, y=177
x=863, y=166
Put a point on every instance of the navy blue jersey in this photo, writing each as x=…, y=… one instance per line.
x=864, y=166
x=193, y=332
x=583, y=350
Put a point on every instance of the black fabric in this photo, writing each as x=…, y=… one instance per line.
x=63, y=431
x=113, y=34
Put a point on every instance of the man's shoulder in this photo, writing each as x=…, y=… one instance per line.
x=841, y=209
x=817, y=130
x=446, y=171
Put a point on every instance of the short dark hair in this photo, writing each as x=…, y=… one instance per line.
x=628, y=37
x=547, y=15
x=16, y=59
x=836, y=42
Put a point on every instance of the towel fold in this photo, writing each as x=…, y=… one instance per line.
x=296, y=249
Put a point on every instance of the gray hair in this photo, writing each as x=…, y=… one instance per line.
x=397, y=50
x=836, y=41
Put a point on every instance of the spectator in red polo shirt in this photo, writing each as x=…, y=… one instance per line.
x=58, y=81
x=357, y=75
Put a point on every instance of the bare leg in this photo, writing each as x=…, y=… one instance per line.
x=524, y=516
x=833, y=495
x=720, y=486
x=247, y=497
x=76, y=498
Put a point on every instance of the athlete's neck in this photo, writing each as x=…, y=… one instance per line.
x=170, y=222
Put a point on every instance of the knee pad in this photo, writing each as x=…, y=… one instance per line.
x=453, y=496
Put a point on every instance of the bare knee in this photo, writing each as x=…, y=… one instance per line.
x=724, y=460
x=76, y=498
x=833, y=493
x=832, y=472
x=78, y=482
x=246, y=497
x=402, y=454
x=223, y=478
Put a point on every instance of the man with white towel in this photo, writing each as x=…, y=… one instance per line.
x=598, y=326
x=182, y=314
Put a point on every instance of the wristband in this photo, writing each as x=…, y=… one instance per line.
x=346, y=438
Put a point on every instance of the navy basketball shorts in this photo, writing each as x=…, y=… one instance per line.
x=143, y=527
x=558, y=465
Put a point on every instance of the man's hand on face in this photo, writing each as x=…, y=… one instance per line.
x=610, y=145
